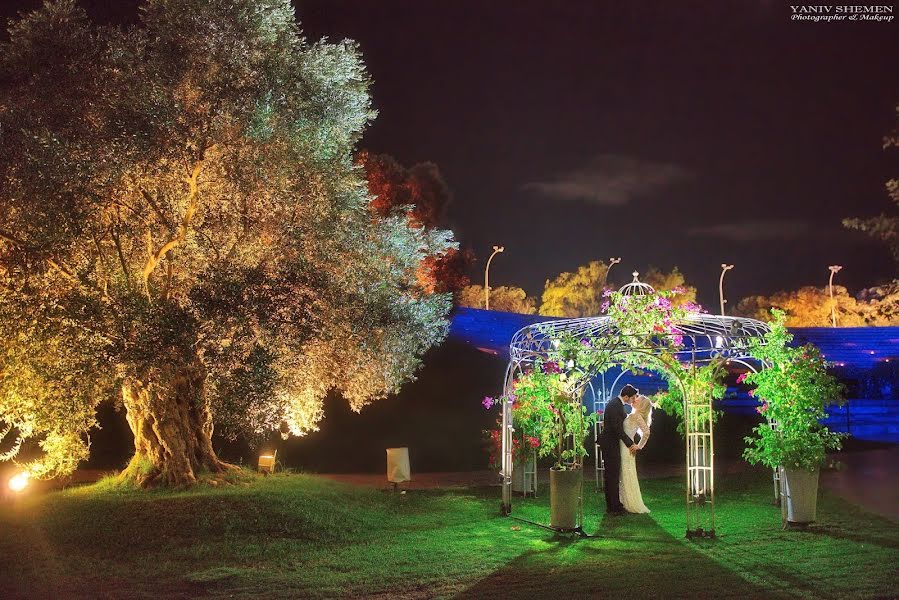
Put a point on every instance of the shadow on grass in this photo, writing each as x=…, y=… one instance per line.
x=631, y=556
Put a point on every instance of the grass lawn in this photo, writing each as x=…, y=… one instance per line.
x=290, y=536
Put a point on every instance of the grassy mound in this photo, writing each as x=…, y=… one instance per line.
x=290, y=536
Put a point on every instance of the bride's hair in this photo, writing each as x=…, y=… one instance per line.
x=643, y=405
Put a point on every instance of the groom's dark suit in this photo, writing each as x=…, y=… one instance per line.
x=612, y=431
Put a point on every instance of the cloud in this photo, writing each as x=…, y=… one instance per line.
x=610, y=180
x=754, y=230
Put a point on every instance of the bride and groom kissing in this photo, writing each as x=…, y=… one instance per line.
x=622, y=488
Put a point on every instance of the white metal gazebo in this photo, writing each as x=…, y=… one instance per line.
x=706, y=338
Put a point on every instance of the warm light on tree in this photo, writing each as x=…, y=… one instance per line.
x=182, y=228
x=810, y=306
x=580, y=294
x=503, y=298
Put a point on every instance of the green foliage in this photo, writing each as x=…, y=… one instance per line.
x=545, y=405
x=701, y=382
x=309, y=537
x=546, y=400
x=794, y=389
x=182, y=193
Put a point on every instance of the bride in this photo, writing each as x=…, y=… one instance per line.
x=639, y=419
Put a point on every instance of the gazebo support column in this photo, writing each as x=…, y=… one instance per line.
x=700, y=467
x=506, y=508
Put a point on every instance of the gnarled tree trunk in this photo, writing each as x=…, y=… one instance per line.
x=172, y=425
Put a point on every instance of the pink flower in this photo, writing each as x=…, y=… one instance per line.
x=551, y=367
x=752, y=393
x=487, y=402
x=534, y=442
x=763, y=408
x=742, y=377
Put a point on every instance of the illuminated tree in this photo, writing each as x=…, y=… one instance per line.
x=506, y=299
x=674, y=280
x=577, y=294
x=182, y=227
x=884, y=227
x=421, y=193
x=580, y=294
x=811, y=307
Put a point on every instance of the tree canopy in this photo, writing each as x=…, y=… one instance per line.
x=421, y=193
x=580, y=294
x=502, y=298
x=885, y=226
x=811, y=306
x=182, y=227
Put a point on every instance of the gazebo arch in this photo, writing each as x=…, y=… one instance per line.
x=705, y=338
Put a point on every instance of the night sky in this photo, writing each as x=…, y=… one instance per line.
x=667, y=133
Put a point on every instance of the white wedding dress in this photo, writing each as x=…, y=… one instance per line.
x=629, y=488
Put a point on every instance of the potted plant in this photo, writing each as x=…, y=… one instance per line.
x=793, y=391
x=545, y=400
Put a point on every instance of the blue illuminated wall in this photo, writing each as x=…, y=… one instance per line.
x=866, y=360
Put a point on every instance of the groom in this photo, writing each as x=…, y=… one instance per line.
x=612, y=431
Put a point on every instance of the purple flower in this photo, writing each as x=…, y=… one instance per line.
x=604, y=306
x=678, y=340
x=487, y=402
x=606, y=293
x=551, y=367
x=586, y=343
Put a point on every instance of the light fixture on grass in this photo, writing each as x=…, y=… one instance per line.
x=19, y=481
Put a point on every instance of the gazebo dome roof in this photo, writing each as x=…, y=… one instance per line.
x=637, y=287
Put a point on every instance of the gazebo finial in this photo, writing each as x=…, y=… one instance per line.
x=636, y=275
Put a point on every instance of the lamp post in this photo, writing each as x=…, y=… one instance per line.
x=496, y=250
x=724, y=269
x=834, y=269
x=612, y=263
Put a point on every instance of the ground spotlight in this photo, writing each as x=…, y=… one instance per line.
x=18, y=482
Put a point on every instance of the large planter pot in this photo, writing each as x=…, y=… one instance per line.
x=564, y=498
x=800, y=494
x=525, y=484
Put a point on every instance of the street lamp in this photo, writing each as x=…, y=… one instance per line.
x=724, y=269
x=496, y=250
x=834, y=269
x=612, y=263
